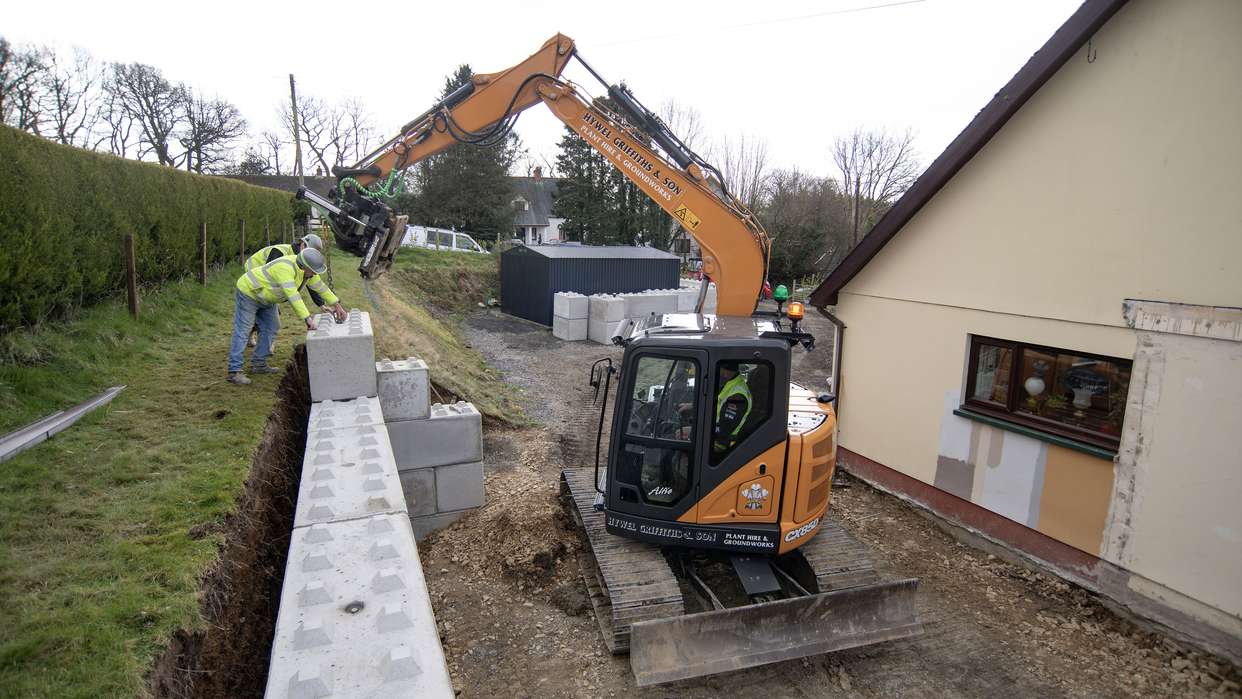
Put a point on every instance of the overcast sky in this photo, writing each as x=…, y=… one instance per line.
x=797, y=73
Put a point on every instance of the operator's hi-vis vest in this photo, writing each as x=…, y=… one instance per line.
x=278, y=281
x=735, y=386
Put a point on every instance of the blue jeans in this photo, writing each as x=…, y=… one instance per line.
x=247, y=313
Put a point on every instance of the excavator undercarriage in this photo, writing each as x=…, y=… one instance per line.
x=679, y=615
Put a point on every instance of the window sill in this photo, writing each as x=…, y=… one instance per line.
x=1033, y=433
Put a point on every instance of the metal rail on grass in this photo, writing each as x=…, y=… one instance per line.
x=43, y=430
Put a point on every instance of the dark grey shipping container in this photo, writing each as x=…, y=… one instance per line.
x=531, y=275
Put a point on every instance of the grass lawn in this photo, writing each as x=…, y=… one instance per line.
x=97, y=567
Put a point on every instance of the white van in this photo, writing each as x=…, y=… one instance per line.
x=440, y=239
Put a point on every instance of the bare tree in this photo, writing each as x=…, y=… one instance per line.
x=744, y=163
x=154, y=104
x=320, y=130
x=361, y=134
x=20, y=71
x=271, y=146
x=116, y=128
x=71, y=96
x=876, y=168
x=684, y=121
x=210, y=127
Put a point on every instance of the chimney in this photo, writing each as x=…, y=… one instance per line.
x=538, y=172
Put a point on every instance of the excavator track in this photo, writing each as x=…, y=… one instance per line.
x=628, y=581
x=631, y=581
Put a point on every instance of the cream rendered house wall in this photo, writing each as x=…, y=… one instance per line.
x=1120, y=179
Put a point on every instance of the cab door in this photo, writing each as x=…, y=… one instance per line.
x=656, y=433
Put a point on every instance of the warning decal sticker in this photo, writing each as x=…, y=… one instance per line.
x=687, y=217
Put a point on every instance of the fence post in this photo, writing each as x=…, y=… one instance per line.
x=131, y=274
x=202, y=254
x=243, y=240
x=327, y=249
x=267, y=233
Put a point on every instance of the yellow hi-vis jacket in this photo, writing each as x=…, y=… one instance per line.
x=271, y=253
x=278, y=281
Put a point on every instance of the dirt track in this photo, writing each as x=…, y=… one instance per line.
x=516, y=622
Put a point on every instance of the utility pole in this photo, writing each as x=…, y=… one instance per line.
x=297, y=133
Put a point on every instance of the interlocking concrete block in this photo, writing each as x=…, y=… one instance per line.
x=570, y=329
x=338, y=414
x=419, y=486
x=355, y=617
x=571, y=305
x=606, y=307
x=453, y=434
x=341, y=357
x=425, y=525
x=403, y=387
x=602, y=331
x=347, y=476
x=459, y=487
x=645, y=303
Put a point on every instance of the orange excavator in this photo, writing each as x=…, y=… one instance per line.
x=710, y=544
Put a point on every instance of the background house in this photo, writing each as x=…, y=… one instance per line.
x=1042, y=339
x=532, y=209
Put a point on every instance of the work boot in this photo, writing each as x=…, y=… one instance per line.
x=239, y=378
x=263, y=369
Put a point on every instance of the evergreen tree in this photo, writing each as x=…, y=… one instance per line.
x=465, y=187
x=600, y=205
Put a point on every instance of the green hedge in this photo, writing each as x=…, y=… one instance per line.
x=64, y=213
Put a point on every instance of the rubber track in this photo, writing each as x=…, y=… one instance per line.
x=628, y=580
x=837, y=558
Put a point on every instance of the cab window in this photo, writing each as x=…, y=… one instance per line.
x=657, y=452
x=743, y=402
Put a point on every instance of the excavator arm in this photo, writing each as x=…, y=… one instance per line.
x=633, y=139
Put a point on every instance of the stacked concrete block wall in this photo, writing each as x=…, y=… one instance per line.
x=440, y=462
x=569, y=316
x=355, y=617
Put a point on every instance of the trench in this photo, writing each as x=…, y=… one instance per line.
x=240, y=595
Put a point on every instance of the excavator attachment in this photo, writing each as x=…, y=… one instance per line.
x=383, y=248
x=681, y=647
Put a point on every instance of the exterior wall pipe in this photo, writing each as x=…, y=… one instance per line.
x=838, y=336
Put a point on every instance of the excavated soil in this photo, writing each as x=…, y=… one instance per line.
x=516, y=622
x=241, y=593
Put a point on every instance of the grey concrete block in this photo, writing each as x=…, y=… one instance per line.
x=686, y=299
x=337, y=414
x=459, y=486
x=569, y=329
x=403, y=387
x=347, y=474
x=341, y=358
x=645, y=303
x=419, y=486
x=602, y=331
x=606, y=307
x=453, y=434
x=571, y=305
x=425, y=525
x=355, y=617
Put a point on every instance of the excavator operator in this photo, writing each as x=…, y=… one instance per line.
x=733, y=405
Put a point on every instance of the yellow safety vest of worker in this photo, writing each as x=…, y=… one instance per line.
x=279, y=280
x=735, y=386
x=260, y=258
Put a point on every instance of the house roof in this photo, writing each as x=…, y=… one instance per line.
x=539, y=193
x=289, y=183
x=598, y=252
x=1080, y=27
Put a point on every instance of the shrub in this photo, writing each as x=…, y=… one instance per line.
x=64, y=213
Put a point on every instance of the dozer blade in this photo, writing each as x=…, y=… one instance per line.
x=665, y=650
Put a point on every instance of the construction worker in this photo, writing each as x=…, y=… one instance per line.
x=733, y=405
x=273, y=252
x=260, y=291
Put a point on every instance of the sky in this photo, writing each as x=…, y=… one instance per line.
x=794, y=73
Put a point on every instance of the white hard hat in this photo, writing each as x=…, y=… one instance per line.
x=312, y=241
x=312, y=259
